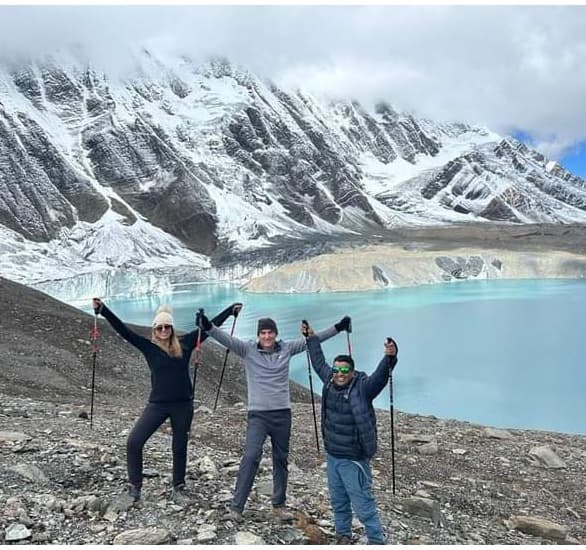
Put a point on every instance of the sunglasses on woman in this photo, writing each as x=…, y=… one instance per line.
x=159, y=328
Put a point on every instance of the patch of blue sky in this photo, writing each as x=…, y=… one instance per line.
x=573, y=160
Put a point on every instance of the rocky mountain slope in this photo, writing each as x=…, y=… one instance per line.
x=437, y=256
x=178, y=162
x=62, y=482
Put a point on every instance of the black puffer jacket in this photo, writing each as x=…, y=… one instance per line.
x=361, y=392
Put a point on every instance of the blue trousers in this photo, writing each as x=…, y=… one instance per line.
x=152, y=417
x=350, y=486
x=277, y=425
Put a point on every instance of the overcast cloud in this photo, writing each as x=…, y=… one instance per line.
x=509, y=68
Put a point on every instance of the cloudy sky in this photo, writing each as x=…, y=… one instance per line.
x=518, y=70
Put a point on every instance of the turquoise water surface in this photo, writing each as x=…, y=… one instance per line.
x=500, y=353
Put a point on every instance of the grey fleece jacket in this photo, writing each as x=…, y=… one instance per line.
x=267, y=372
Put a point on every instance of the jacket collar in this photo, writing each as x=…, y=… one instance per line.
x=276, y=347
x=347, y=388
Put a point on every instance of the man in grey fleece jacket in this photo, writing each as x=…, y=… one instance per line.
x=269, y=405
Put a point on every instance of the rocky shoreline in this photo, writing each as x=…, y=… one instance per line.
x=456, y=483
x=63, y=483
x=390, y=266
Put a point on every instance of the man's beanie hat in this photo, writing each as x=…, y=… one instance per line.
x=164, y=316
x=266, y=324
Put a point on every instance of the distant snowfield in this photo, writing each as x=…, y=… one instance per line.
x=103, y=247
x=383, y=178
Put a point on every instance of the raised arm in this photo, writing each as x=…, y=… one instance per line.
x=239, y=347
x=189, y=340
x=318, y=361
x=235, y=345
x=131, y=337
x=299, y=345
x=376, y=382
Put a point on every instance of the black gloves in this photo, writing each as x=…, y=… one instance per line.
x=97, y=305
x=345, y=323
x=236, y=307
x=202, y=321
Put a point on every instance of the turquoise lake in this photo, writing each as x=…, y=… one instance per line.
x=498, y=353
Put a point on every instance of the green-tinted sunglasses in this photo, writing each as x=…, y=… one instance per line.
x=341, y=370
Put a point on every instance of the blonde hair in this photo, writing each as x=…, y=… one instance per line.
x=165, y=314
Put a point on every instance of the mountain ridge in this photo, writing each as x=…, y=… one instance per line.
x=207, y=157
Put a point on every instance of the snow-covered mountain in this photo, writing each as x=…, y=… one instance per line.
x=178, y=161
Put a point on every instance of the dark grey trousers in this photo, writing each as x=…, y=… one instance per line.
x=277, y=425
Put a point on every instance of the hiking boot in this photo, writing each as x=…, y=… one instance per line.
x=134, y=492
x=282, y=514
x=233, y=515
x=343, y=539
x=181, y=496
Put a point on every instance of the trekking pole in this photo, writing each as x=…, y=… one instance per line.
x=348, y=337
x=305, y=333
x=197, y=357
x=224, y=365
x=392, y=412
x=94, y=337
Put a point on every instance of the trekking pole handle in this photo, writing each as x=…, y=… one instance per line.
x=198, y=316
x=389, y=340
x=95, y=334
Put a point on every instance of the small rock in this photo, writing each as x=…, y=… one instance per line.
x=120, y=504
x=15, y=532
x=430, y=448
x=14, y=436
x=495, y=433
x=245, y=537
x=424, y=507
x=545, y=456
x=460, y=452
x=431, y=484
x=150, y=535
x=29, y=472
x=539, y=527
x=206, y=533
x=416, y=438
x=206, y=468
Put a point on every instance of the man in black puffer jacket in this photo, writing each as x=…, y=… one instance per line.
x=350, y=436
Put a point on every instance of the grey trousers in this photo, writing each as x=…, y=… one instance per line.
x=277, y=425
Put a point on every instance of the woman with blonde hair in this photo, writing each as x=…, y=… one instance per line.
x=167, y=357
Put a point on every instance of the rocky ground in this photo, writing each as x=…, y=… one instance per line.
x=62, y=482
